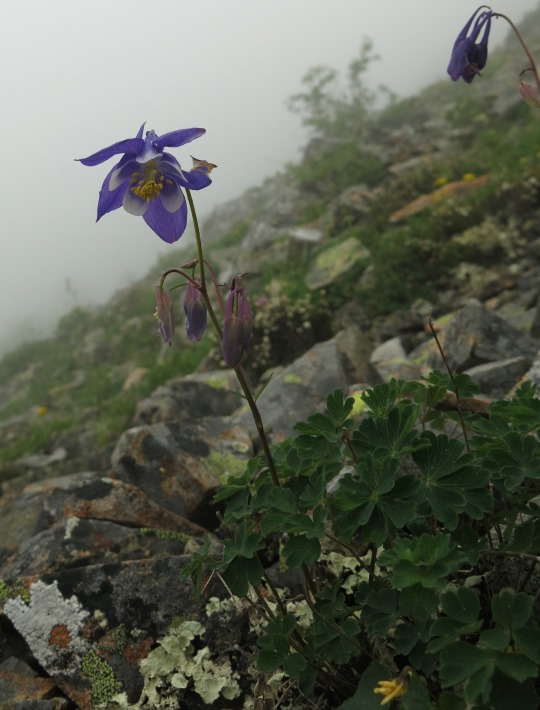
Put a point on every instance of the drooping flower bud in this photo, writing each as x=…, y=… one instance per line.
x=165, y=315
x=529, y=93
x=195, y=310
x=237, y=325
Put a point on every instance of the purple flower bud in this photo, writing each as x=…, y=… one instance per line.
x=165, y=315
x=237, y=326
x=195, y=310
x=469, y=57
x=529, y=93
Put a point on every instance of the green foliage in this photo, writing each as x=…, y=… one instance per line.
x=415, y=509
x=330, y=108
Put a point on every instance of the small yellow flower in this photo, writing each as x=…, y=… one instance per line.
x=41, y=411
x=396, y=687
x=440, y=181
x=469, y=176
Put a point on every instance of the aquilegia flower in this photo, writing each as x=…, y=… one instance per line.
x=468, y=56
x=195, y=310
x=148, y=182
x=237, y=325
x=165, y=315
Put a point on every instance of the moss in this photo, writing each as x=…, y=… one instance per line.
x=165, y=534
x=12, y=591
x=104, y=684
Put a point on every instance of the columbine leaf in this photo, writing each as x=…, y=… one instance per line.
x=376, y=501
x=393, y=435
x=460, y=661
x=451, y=484
x=515, y=458
x=516, y=666
x=528, y=642
x=461, y=604
x=495, y=639
x=511, y=609
x=294, y=664
x=241, y=572
x=299, y=550
x=380, y=612
x=339, y=408
x=381, y=398
x=318, y=425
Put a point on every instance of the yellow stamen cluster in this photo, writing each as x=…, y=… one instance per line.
x=394, y=688
x=150, y=184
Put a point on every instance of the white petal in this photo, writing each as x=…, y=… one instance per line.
x=134, y=205
x=171, y=197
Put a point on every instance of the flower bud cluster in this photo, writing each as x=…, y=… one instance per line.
x=237, y=324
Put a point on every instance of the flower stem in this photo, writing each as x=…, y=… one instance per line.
x=238, y=370
x=523, y=45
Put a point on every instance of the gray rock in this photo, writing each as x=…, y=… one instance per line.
x=296, y=391
x=496, y=379
x=389, y=360
x=472, y=336
x=187, y=398
x=335, y=262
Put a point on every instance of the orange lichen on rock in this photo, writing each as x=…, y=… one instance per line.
x=425, y=201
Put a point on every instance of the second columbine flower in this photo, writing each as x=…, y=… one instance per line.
x=469, y=56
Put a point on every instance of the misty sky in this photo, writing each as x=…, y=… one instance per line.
x=77, y=76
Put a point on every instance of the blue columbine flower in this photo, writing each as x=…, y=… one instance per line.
x=148, y=182
x=469, y=57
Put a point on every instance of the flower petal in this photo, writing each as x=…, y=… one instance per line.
x=135, y=205
x=177, y=138
x=171, y=197
x=130, y=146
x=169, y=226
x=124, y=171
x=196, y=179
x=110, y=198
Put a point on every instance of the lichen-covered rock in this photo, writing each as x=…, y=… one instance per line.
x=133, y=635
x=177, y=465
x=336, y=261
x=472, y=336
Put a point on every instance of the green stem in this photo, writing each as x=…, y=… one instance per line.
x=258, y=423
x=238, y=370
x=197, y=239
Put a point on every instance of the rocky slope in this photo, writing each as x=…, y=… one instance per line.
x=113, y=447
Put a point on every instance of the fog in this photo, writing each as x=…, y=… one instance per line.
x=77, y=76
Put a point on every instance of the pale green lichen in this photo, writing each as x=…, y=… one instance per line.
x=104, y=684
x=218, y=383
x=223, y=465
x=292, y=379
x=215, y=605
x=338, y=564
x=176, y=663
